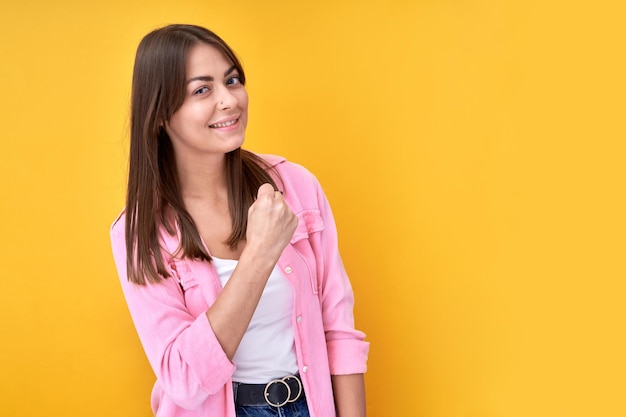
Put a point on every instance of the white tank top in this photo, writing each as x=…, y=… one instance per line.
x=267, y=350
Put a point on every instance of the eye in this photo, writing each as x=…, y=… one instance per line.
x=234, y=80
x=201, y=90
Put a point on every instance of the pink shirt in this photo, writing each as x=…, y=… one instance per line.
x=193, y=372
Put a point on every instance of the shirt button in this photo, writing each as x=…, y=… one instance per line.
x=305, y=368
x=299, y=319
x=288, y=270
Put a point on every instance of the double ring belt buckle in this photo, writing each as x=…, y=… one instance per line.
x=279, y=392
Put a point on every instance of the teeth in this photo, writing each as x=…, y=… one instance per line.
x=225, y=124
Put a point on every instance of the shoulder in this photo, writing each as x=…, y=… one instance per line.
x=118, y=231
x=291, y=173
x=118, y=224
x=301, y=188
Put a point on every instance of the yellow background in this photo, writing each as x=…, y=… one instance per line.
x=473, y=151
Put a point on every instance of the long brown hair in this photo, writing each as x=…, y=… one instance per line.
x=153, y=198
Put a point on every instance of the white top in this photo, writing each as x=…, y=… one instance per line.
x=267, y=350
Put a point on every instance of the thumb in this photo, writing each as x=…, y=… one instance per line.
x=265, y=189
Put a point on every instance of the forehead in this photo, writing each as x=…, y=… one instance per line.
x=205, y=59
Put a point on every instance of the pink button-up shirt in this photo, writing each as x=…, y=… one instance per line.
x=193, y=372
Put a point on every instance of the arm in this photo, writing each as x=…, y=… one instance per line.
x=270, y=226
x=347, y=349
x=349, y=392
x=191, y=356
x=182, y=349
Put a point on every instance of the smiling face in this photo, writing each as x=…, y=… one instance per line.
x=212, y=119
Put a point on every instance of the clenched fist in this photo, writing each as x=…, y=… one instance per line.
x=271, y=223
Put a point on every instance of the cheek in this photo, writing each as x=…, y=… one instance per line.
x=175, y=124
x=193, y=114
x=243, y=100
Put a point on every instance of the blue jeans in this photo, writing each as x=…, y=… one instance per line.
x=295, y=409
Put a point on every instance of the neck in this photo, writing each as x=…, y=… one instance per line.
x=202, y=179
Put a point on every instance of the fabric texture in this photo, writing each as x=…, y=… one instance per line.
x=193, y=372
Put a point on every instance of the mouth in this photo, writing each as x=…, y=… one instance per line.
x=224, y=124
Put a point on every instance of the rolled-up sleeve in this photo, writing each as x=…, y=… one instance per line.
x=347, y=348
x=183, y=350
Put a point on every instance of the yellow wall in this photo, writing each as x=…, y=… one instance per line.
x=473, y=152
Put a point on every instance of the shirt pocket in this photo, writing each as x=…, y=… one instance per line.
x=192, y=293
x=305, y=241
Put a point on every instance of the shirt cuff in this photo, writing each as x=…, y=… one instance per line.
x=347, y=356
x=202, y=348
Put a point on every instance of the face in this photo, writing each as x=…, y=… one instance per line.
x=213, y=117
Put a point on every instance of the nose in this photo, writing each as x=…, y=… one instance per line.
x=226, y=99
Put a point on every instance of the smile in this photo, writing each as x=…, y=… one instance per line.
x=224, y=124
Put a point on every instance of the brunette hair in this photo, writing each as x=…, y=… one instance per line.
x=153, y=199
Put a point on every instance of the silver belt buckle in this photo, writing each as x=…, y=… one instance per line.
x=293, y=398
x=289, y=398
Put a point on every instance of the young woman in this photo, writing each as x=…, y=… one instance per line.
x=228, y=260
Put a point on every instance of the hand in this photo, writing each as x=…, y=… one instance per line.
x=271, y=223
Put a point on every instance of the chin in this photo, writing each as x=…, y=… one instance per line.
x=234, y=145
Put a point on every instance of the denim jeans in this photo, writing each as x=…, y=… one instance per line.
x=295, y=409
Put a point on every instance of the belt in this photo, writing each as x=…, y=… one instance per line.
x=276, y=393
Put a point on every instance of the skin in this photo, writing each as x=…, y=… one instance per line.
x=214, y=95
x=349, y=392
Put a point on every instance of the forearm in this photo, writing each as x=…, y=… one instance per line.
x=232, y=311
x=271, y=224
x=349, y=393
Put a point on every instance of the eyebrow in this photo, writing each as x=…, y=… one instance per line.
x=208, y=77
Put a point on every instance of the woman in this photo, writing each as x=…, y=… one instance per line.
x=228, y=260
